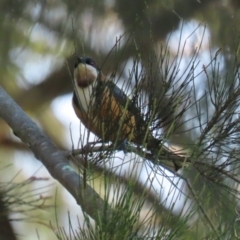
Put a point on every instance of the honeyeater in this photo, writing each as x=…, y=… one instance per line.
x=109, y=113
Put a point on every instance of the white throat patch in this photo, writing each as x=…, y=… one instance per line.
x=85, y=95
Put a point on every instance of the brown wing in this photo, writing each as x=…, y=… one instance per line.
x=118, y=122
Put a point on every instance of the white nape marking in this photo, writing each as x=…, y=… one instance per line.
x=86, y=95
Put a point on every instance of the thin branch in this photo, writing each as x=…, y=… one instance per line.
x=157, y=160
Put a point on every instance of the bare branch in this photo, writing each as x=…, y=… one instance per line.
x=53, y=159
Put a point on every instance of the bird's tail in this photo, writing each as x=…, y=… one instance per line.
x=163, y=155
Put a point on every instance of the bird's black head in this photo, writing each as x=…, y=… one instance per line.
x=85, y=60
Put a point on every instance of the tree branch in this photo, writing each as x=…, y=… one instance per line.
x=53, y=159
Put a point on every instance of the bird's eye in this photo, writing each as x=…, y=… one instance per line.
x=91, y=62
x=85, y=60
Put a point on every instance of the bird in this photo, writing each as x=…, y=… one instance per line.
x=109, y=113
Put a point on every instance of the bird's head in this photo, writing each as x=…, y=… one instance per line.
x=85, y=72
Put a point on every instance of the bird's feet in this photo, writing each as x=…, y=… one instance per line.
x=123, y=146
